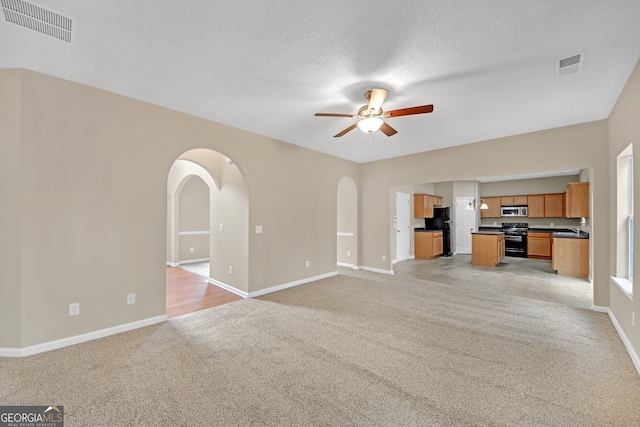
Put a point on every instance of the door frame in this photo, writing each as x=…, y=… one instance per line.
x=402, y=222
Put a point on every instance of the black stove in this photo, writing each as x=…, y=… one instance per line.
x=515, y=238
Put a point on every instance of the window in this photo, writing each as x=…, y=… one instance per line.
x=630, y=218
x=624, y=221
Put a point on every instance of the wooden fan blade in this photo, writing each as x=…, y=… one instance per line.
x=349, y=129
x=387, y=130
x=332, y=115
x=376, y=99
x=409, y=111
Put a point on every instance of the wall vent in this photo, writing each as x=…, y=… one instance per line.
x=38, y=18
x=570, y=64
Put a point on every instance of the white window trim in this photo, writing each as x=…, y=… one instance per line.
x=625, y=286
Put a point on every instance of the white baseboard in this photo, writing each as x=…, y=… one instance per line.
x=173, y=264
x=634, y=356
x=244, y=294
x=344, y=264
x=291, y=284
x=226, y=287
x=378, y=270
x=90, y=336
x=600, y=309
x=192, y=261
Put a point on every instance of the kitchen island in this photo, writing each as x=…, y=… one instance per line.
x=571, y=254
x=487, y=248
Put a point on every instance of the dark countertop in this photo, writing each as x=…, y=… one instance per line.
x=557, y=232
x=424, y=230
x=491, y=233
x=570, y=235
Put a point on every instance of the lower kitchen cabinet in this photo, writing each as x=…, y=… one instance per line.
x=539, y=245
x=571, y=257
x=428, y=244
x=487, y=248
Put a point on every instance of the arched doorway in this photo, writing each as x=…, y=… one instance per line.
x=347, y=223
x=221, y=225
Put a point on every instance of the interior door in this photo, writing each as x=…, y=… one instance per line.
x=465, y=223
x=403, y=222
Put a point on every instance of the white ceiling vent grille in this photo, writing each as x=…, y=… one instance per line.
x=570, y=64
x=38, y=18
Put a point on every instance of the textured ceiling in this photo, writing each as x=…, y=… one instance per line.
x=488, y=67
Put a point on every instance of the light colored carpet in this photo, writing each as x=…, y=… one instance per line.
x=359, y=349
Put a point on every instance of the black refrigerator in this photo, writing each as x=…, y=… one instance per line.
x=441, y=221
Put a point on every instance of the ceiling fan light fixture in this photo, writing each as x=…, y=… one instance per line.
x=370, y=124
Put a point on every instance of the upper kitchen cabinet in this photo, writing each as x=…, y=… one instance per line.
x=423, y=205
x=553, y=205
x=494, y=204
x=514, y=200
x=577, y=200
x=537, y=206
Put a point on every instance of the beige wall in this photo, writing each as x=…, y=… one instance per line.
x=624, y=129
x=347, y=222
x=10, y=202
x=93, y=205
x=571, y=147
x=230, y=247
x=194, y=216
x=517, y=187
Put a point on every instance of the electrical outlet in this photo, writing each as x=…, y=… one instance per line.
x=221, y=227
x=384, y=257
x=307, y=263
x=191, y=250
x=633, y=319
x=258, y=229
x=131, y=298
x=230, y=269
x=348, y=253
x=74, y=309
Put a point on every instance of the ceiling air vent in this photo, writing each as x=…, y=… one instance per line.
x=38, y=18
x=569, y=65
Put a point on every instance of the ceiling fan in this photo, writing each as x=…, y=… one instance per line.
x=370, y=116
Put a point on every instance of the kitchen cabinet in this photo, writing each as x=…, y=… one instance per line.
x=571, y=257
x=577, y=200
x=537, y=206
x=514, y=200
x=540, y=205
x=428, y=244
x=423, y=205
x=494, y=204
x=520, y=200
x=539, y=245
x=554, y=205
x=506, y=200
x=487, y=248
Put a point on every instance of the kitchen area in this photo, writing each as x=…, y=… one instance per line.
x=513, y=220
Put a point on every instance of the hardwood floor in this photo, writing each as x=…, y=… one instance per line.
x=187, y=292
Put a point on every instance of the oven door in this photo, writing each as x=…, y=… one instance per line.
x=515, y=245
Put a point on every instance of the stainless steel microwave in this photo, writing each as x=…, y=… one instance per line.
x=514, y=211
